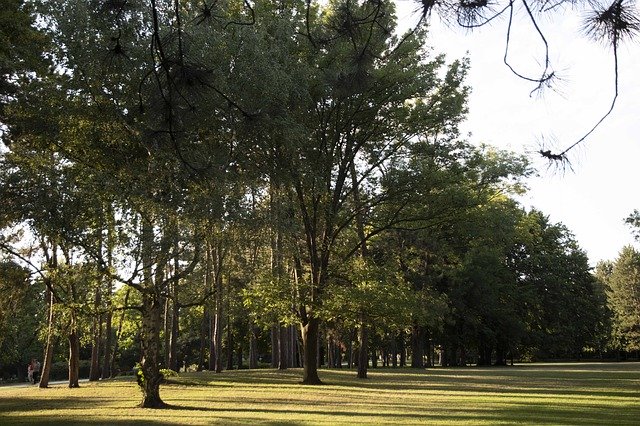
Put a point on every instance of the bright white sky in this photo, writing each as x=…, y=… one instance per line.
x=593, y=200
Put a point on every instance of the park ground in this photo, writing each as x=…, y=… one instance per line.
x=543, y=394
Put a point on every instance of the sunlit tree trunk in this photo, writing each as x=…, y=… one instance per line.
x=151, y=324
x=106, y=363
x=219, y=312
x=118, y=334
x=74, y=353
x=94, y=371
x=48, y=353
x=310, y=334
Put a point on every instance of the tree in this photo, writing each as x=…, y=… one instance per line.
x=22, y=50
x=623, y=294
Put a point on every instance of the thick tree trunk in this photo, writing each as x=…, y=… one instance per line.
x=283, y=338
x=151, y=324
x=150, y=344
x=363, y=352
x=310, y=334
x=275, y=347
x=417, y=347
x=74, y=354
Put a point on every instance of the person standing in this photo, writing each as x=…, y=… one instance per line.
x=30, y=368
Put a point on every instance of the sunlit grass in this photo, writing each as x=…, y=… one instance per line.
x=552, y=394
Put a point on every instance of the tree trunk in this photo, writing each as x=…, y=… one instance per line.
x=293, y=346
x=417, y=347
x=151, y=323
x=212, y=342
x=350, y=351
x=48, y=353
x=283, y=338
x=173, y=336
x=310, y=334
x=218, y=320
x=363, y=352
x=106, y=364
x=150, y=344
x=175, y=317
x=94, y=371
x=203, y=339
x=239, y=359
x=275, y=347
x=114, y=370
x=253, y=347
x=74, y=354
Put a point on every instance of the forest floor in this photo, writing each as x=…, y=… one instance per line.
x=542, y=394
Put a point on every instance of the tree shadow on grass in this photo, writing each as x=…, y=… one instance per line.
x=489, y=381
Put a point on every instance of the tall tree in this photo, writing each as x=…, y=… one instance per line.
x=623, y=295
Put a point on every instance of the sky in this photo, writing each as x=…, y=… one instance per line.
x=594, y=198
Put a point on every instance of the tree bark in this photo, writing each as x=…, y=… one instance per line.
x=203, y=339
x=363, y=352
x=150, y=343
x=310, y=334
x=173, y=337
x=175, y=316
x=417, y=347
x=106, y=364
x=253, y=347
x=151, y=323
x=275, y=347
x=48, y=353
x=283, y=362
x=94, y=371
x=118, y=334
x=74, y=354
x=218, y=320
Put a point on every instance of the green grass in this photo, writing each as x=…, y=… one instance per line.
x=548, y=394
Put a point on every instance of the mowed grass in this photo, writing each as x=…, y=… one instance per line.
x=550, y=394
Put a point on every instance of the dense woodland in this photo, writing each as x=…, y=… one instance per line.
x=218, y=185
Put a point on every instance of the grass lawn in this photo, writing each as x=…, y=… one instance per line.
x=550, y=394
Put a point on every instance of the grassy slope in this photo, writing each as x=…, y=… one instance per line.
x=551, y=394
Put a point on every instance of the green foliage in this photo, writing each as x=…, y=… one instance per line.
x=21, y=316
x=623, y=293
x=372, y=293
